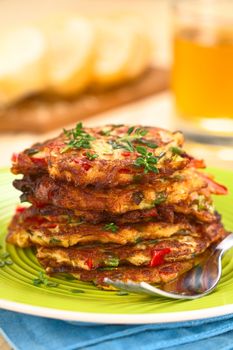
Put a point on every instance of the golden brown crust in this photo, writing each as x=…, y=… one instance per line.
x=45, y=191
x=113, y=165
x=154, y=275
x=26, y=229
x=145, y=253
x=41, y=231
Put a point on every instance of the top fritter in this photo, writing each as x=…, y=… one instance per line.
x=106, y=157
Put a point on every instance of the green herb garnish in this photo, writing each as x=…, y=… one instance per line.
x=160, y=198
x=91, y=156
x=77, y=138
x=111, y=227
x=149, y=144
x=77, y=291
x=43, y=280
x=67, y=276
x=147, y=160
x=130, y=130
x=105, y=133
x=4, y=259
x=54, y=240
x=201, y=202
x=4, y=255
x=178, y=177
x=113, y=262
x=31, y=151
x=153, y=241
x=125, y=142
x=176, y=150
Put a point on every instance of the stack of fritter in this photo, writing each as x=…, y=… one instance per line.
x=121, y=202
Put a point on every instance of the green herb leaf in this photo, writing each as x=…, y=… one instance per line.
x=4, y=255
x=31, y=151
x=178, y=177
x=153, y=241
x=128, y=146
x=160, y=198
x=8, y=262
x=130, y=130
x=52, y=284
x=105, y=133
x=78, y=138
x=43, y=280
x=112, y=261
x=67, y=276
x=142, y=150
x=111, y=227
x=54, y=240
x=77, y=291
x=140, y=132
x=176, y=150
x=91, y=156
x=107, y=268
x=149, y=144
x=147, y=160
x=37, y=282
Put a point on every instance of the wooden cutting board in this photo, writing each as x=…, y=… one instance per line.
x=43, y=113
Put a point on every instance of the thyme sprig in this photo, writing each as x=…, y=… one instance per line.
x=146, y=160
x=77, y=138
x=133, y=134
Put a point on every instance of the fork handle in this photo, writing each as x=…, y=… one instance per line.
x=226, y=244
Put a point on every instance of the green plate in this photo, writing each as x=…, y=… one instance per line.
x=18, y=293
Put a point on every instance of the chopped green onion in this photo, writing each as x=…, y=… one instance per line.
x=111, y=227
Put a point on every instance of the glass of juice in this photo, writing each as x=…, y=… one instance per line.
x=202, y=71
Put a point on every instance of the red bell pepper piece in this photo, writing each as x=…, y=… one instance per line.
x=151, y=213
x=213, y=186
x=19, y=209
x=14, y=157
x=84, y=164
x=125, y=171
x=89, y=263
x=40, y=162
x=126, y=154
x=158, y=256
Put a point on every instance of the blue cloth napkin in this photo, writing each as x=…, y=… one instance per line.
x=25, y=332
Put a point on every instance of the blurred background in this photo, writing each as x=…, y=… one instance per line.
x=156, y=62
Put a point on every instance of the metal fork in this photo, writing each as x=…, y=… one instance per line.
x=195, y=283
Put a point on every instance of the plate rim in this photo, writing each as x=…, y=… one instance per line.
x=105, y=318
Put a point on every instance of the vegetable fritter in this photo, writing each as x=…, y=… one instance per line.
x=26, y=230
x=106, y=157
x=154, y=275
x=155, y=252
x=43, y=191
